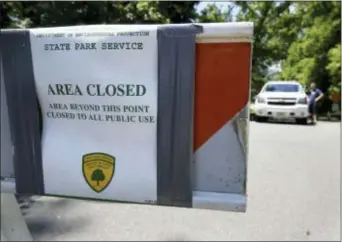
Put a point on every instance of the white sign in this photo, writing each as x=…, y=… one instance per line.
x=98, y=94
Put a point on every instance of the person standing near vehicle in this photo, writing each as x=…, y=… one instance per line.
x=314, y=95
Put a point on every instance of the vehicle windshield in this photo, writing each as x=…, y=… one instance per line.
x=282, y=88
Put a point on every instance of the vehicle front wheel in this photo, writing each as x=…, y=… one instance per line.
x=302, y=121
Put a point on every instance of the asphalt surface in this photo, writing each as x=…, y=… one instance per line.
x=293, y=187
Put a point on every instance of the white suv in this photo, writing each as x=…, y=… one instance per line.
x=281, y=99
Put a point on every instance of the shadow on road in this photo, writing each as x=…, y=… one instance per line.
x=28, y=201
x=25, y=202
x=280, y=122
x=329, y=120
x=38, y=210
x=45, y=226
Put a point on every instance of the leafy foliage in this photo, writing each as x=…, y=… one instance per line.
x=334, y=68
x=213, y=14
x=269, y=44
x=304, y=37
x=315, y=54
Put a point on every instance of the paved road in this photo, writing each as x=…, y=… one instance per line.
x=294, y=194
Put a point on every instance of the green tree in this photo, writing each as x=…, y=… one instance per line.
x=269, y=35
x=10, y=15
x=97, y=176
x=334, y=68
x=303, y=36
x=58, y=13
x=213, y=14
x=315, y=54
x=177, y=12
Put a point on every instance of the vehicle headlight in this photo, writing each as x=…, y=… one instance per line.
x=302, y=100
x=260, y=100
